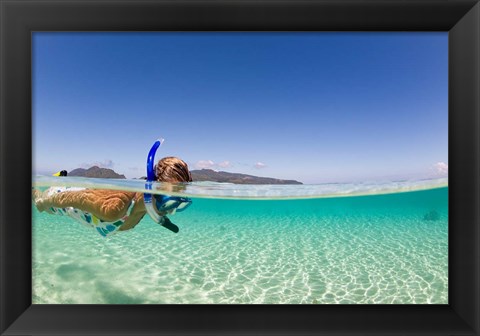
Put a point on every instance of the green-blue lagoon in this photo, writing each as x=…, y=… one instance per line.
x=383, y=243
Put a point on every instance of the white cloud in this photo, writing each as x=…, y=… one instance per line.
x=260, y=165
x=104, y=164
x=209, y=164
x=225, y=164
x=205, y=164
x=440, y=169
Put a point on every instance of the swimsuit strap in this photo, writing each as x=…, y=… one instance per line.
x=130, y=208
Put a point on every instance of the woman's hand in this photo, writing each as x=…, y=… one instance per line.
x=40, y=203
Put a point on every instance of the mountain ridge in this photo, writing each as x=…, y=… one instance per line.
x=237, y=178
x=96, y=172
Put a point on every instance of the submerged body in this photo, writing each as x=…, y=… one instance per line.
x=103, y=227
x=96, y=208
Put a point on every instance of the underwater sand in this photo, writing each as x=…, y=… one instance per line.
x=371, y=249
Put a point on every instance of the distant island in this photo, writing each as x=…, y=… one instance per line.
x=197, y=176
x=221, y=176
x=96, y=172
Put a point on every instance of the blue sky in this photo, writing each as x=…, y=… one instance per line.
x=315, y=107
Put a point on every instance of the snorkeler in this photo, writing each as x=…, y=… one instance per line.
x=61, y=173
x=110, y=211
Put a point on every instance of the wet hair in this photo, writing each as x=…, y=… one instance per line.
x=172, y=169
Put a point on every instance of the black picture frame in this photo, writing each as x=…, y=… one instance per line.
x=19, y=18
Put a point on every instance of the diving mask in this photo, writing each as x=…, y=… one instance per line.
x=165, y=203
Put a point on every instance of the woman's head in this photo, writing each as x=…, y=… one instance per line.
x=171, y=169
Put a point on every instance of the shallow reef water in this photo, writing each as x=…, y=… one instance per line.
x=383, y=244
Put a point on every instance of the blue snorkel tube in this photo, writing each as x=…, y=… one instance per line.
x=147, y=197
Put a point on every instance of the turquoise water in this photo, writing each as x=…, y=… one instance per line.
x=282, y=249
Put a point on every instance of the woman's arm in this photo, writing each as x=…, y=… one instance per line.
x=136, y=215
x=108, y=205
